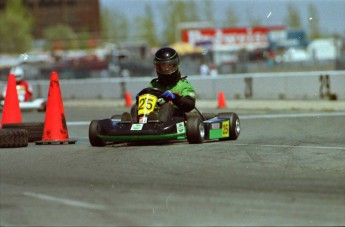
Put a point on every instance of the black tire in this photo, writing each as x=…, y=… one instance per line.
x=208, y=116
x=235, y=126
x=195, y=130
x=10, y=138
x=43, y=108
x=35, y=129
x=94, y=130
x=116, y=116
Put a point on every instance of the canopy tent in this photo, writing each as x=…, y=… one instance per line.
x=183, y=48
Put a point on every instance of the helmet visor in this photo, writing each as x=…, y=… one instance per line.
x=166, y=67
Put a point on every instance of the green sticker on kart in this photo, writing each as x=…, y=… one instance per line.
x=180, y=128
x=137, y=127
x=220, y=130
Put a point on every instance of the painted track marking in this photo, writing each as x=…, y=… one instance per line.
x=300, y=115
x=64, y=201
x=288, y=146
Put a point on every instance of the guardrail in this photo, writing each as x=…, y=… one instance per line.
x=292, y=85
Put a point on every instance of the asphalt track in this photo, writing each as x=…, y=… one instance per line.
x=286, y=168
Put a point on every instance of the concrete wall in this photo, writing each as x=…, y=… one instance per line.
x=297, y=85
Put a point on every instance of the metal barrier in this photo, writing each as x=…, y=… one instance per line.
x=292, y=85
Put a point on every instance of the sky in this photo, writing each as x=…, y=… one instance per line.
x=270, y=12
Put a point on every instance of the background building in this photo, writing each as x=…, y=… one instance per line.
x=81, y=15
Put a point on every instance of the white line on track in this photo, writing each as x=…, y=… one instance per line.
x=78, y=123
x=260, y=116
x=299, y=115
x=64, y=201
x=288, y=146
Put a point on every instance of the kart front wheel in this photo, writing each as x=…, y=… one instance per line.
x=94, y=131
x=235, y=126
x=195, y=130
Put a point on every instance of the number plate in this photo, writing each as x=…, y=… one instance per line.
x=146, y=104
x=225, y=128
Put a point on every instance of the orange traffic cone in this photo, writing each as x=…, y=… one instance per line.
x=221, y=100
x=55, y=127
x=128, y=99
x=11, y=112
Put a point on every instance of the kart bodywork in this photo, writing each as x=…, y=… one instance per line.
x=38, y=104
x=194, y=126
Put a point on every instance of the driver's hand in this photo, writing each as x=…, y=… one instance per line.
x=168, y=96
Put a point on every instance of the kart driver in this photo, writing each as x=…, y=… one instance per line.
x=24, y=89
x=179, y=94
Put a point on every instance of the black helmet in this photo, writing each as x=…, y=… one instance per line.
x=166, y=63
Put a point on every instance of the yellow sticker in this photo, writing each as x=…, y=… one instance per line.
x=225, y=128
x=146, y=104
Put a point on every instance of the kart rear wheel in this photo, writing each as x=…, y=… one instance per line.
x=235, y=126
x=116, y=116
x=195, y=130
x=94, y=131
x=208, y=116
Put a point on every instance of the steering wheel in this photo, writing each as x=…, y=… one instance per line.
x=151, y=90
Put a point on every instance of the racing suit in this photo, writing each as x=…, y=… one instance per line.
x=24, y=91
x=183, y=102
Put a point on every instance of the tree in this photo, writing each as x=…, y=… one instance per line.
x=207, y=10
x=146, y=28
x=313, y=22
x=85, y=39
x=253, y=21
x=60, y=37
x=114, y=26
x=106, y=24
x=191, y=11
x=175, y=13
x=293, y=19
x=15, y=28
x=231, y=19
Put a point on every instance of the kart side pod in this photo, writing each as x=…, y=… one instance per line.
x=225, y=126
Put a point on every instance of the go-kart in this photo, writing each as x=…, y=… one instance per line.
x=194, y=126
x=38, y=104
